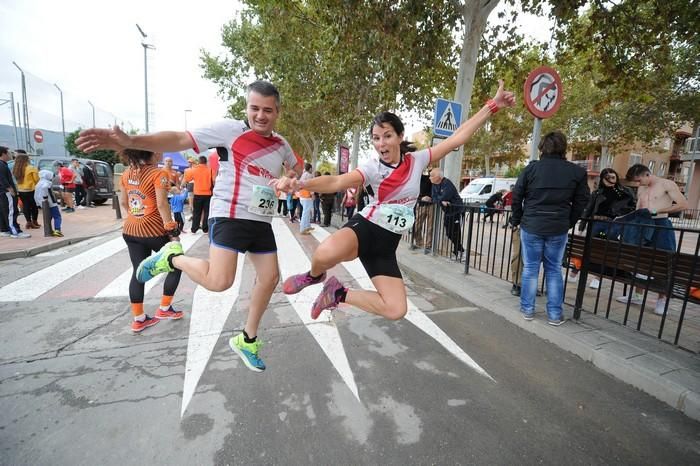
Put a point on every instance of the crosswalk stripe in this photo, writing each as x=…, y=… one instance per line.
x=120, y=285
x=210, y=310
x=326, y=333
x=414, y=315
x=34, y=285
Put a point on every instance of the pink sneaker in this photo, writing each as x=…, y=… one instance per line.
x=296, y=283
x=327, y=299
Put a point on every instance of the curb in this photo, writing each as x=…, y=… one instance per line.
x=659, y=369
x=51, y=246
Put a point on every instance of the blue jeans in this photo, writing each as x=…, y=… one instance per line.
x=307, y=206
x=535, y=250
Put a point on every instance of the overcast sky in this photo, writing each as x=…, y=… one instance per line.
x=93, y=51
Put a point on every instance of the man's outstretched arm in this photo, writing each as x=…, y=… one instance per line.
x=115, y=139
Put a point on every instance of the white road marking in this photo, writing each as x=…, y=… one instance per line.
x=210, y=310
x=414, y=315
x=326, y=333
x=34, y=285
x=120, y=285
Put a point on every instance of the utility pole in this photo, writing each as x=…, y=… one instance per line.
x=63, y=120
x=145, y=70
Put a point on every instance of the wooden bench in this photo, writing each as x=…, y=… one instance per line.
x=639, y=266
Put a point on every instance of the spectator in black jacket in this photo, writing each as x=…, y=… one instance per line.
x=9, y=209
x=90, y=183
x=548, y=200
x=445, y=194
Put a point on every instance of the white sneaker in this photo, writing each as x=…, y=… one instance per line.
x=641, y=276
x=81, y=207
x=594, y=284
x=573, y=278
x=660, y=305
x=5, y=234
x=634, y=299
x=21, y=235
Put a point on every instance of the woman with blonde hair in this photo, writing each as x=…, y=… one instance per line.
x=27, y=177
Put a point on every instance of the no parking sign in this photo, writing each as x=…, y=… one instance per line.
x=543, y=92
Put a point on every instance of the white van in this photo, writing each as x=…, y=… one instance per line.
x=480, y=189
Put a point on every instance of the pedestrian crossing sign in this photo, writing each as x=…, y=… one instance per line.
x=448, y=117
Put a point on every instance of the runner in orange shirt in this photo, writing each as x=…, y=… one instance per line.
x=203, y=179
x=148, y=227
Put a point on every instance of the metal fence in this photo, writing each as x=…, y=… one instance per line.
x=480, y=238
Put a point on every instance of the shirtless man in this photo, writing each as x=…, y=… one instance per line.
x=657, y=196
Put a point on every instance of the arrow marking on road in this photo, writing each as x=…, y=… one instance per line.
x=325, y=333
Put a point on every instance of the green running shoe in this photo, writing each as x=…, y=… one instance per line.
x=159, y=262
x=248, y=352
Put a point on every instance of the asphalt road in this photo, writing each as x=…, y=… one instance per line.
x=453, y=384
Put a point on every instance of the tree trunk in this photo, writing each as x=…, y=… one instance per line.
x=475, y=14
x=355, y=147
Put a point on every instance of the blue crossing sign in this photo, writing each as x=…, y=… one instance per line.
x=448, y=117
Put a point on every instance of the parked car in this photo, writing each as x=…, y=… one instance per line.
x=104, y=188
x=480, y=189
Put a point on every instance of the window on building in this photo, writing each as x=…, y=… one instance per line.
x=652, y=164
x=662, y=169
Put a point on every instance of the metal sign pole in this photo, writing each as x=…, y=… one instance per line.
x=536, y=134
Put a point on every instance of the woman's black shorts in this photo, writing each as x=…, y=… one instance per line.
x=376, y=247
x=241, y=235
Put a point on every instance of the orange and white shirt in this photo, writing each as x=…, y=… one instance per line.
x=143, y=219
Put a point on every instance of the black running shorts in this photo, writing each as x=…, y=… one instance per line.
x=241, y=235
x=376, y=247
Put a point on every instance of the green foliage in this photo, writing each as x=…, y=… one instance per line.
x=108, y=156
x=514, y=171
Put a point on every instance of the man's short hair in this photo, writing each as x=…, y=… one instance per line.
x=4, y=150
x=636, y=170
x=73, y=160
x=307, y=166
x=265, y=89
x=553, y=143
x=20, y=151
x=202, y=159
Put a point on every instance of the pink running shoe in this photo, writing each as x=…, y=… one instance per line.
x=296, y=283
x=327, y=299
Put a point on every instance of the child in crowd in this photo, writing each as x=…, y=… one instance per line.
x=177, y=205
x=43, y=191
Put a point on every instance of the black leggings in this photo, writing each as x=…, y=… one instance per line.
x=139, y=249
x=29, y=207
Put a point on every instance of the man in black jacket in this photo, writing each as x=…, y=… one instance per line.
x=548, y=199
x=445, y=194
x=9, y=227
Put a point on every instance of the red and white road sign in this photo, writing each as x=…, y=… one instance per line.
x=543, y=92
x=38, y=136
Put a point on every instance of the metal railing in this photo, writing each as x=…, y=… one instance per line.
x=689, y=218
x=481, y=239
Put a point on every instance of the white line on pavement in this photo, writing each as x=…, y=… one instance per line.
x=34, y=285
x=210, y=310
x=414, y=315
x=120, y=285
x=326, y=333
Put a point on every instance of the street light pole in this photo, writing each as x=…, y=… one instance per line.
x=25, y=109
x=63, y=121
x=145, y=70
x=93, y=113
x=186, y=111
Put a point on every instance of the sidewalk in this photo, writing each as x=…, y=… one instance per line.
x=77, y=226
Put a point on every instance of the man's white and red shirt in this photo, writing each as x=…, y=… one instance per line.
x=393, y=185
x=252, y=159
